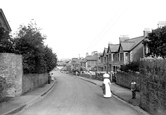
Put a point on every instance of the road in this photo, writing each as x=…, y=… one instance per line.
x=73, y=96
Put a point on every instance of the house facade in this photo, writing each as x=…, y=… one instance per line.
x=113, y=63
x=128, y=50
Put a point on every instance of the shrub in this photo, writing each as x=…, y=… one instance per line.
x=133, y=66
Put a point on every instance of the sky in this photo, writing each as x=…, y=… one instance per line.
x=76, y=27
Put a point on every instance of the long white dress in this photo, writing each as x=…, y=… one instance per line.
x=107, y=88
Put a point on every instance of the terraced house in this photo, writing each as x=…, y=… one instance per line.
x=128, y=50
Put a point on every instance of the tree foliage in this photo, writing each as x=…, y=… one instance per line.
x=157, y=42
x=29, y=42
x=6, y=42
x=50, y=58
x=133, y=66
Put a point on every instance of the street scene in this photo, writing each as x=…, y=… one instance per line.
x=89, y=57
x=74, y=96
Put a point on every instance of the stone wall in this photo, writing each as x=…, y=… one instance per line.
x=153, y=95
x=32, y=81
x=124, y=79
x=10, y=75
x=153, y=85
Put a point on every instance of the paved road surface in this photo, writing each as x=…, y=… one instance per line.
x=73, y=96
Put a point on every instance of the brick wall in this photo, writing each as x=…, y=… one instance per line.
x=124, y=79
x=32, y=81
x=10, y=75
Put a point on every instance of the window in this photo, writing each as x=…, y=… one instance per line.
x=114, y=57
x=127, y=57
x=121, y=57
x=117, y=57
x=109, y=57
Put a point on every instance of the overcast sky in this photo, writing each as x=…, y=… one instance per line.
x=74, y=27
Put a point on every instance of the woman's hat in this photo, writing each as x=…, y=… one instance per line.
x=106, y=75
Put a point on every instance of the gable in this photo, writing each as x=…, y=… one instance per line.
x=114, y=48
x=3, y=21
x=109, y=49
x=105, y=51
x=130, y=44
x=120, y=48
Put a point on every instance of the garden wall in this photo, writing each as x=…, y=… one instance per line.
x=10, y=75
x=32, y=81
x=153, y=86
x=98, y=77
x=124, y=79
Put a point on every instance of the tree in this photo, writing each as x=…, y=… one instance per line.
x=6, y=42
x=37, y=58
x=29, y=43
x=157, y=42
x=50, y=58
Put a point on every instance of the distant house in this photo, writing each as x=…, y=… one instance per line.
x=83, y=64
x=104, y=59
x=112, y=52
x=100, y=65
x=3, y=21
x=91, y=62
x=75, y=64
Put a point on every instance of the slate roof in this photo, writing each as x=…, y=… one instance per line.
x=92, y=58
x=114, y=47
x=105, y=51
x=83, y=60
x=129, y=44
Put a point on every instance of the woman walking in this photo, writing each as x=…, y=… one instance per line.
x=106, y=86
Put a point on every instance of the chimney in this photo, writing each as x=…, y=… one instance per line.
x=122, y=38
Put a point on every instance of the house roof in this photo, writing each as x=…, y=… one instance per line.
x=114, y=47
x=129, y=44
x=75, y=61
x=105, y=51
x=83, y=60
x=4, y=20
x=92, y=58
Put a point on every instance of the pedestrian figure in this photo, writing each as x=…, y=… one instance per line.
x=133, y=89
x=106, y=86
x=76, y=73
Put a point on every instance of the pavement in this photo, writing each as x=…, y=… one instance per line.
x=121, y=93
x=24, y=101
